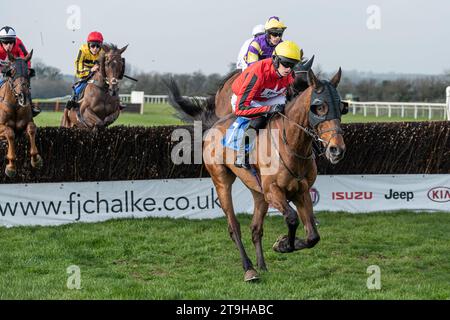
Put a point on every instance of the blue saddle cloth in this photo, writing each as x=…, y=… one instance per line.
x=234, y=134
x=79, y=88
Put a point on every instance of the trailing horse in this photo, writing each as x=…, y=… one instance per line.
x=15, y=111
x=284, y=167
x=100, y=104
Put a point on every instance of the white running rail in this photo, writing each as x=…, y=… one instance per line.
x=400, y=109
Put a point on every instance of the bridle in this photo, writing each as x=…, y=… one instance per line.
x=333, y=101
x=114, y=81
x=21, y=72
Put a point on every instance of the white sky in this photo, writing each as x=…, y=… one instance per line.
x=185, y=36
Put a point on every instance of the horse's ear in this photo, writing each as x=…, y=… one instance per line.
x=301, y=71
x=307, y=65
x=312, y=80
x=105, y=47
x=28, y=56
x=123, y=49
x=337, y=78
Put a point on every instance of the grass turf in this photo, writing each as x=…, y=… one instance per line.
x=159, y=258
x=163, y=114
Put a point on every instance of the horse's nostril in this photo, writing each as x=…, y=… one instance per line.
x=334, y=151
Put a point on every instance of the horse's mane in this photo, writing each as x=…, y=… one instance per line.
x=227, y=77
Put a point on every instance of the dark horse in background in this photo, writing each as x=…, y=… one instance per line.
x=100, y=104
x=312, y=114
x=15, y=111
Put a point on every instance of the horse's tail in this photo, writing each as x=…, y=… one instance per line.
x=190, y=109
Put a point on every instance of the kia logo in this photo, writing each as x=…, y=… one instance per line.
x=439, y=194
x=315, y=197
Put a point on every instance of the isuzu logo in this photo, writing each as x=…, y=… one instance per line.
x=358, y=195
x=439, y=194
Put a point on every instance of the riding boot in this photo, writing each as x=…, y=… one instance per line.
x=72, y=103
x=242, y=158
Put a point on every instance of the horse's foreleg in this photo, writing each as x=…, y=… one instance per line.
x=305, y=212
x=277, y=198
x=9, y=135
x=111, y=118
x=259, y=213
x=91, y=119
x=36, y=160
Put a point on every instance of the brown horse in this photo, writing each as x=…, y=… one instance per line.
x=15, y=111
x=100, y=104
x=290, y=172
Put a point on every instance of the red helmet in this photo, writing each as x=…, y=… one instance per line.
x=95, y=37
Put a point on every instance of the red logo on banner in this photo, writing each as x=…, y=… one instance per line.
x=358, y=195
x=315, y=196
x=439, y=194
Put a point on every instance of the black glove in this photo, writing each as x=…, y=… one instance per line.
x=277, y=108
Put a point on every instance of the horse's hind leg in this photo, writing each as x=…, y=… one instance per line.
x=9, y=135
x=259, y=213
x=223, y=181
x=36, y=159
x=305, y=211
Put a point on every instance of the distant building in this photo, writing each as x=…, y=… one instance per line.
x=351, y=97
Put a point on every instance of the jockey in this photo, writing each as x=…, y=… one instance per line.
x=86, y=65
x=261, y=90
x=263, y=45
x=257, y=31
x=10, y=43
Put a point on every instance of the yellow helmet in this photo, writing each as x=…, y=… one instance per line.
x=288, y=49
x=274, y=23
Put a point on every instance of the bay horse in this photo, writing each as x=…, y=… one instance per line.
x=313, y=114
x=100, y=104
x=15, y=111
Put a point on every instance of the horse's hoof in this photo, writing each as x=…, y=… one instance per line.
x=38, y=163
x=282, y=245
x=251, y=275
x=11, y=173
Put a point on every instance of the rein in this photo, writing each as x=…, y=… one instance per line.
x=3, y=99
x=310, y=132
x=297, y=177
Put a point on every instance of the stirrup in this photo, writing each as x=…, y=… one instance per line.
x=242, y=164
x=72, y=104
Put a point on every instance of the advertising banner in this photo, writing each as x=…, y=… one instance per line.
x=60, y=203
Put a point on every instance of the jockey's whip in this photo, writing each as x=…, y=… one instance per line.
x=131, y=78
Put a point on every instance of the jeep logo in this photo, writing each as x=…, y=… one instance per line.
x=439, y=194
x=408, y=195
